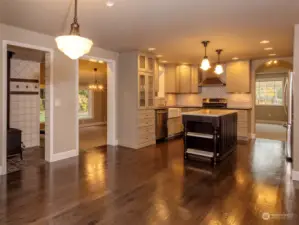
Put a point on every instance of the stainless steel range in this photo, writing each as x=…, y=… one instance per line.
x=214, y=103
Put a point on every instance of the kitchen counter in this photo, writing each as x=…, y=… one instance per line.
x=200, y=107
x=210, y=112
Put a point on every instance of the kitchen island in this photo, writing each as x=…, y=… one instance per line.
x=210, y=133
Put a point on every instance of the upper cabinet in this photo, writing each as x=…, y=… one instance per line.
x=146, y=63
x=182, y=79
x=238, y=77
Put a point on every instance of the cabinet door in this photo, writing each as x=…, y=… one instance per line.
x=194, y=79
x=238, y=76
x=142, y=63
x=150, y=91
x=184, y=79
x=157, y=74
x=170, y=79
x=141, y=90
x=150, y=64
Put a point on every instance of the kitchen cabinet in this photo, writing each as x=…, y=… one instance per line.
x=136, y=99
x=156, y=74
x=175, y=126
x=238, y=77
x=181, y=79
x=170, y=78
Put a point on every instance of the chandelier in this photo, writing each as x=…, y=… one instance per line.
x=96, y=86
x=73, y=45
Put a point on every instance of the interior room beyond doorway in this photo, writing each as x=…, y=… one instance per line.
x=92, y=104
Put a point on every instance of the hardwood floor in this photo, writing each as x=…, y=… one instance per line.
x=154, y=186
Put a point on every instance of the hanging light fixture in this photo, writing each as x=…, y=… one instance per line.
x=205, y=64
x=96, y=86
x=219, y=68
x=73, y=45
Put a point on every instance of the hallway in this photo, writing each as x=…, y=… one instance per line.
x=154, y=186
x=271, y=131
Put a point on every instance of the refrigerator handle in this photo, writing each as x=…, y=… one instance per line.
x=285, y=96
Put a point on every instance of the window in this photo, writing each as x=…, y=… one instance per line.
x=269, y=92
x=42, y=106
x=85, y=104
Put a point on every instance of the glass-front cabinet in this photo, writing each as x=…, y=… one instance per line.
x=142, y=91
x=146, y=92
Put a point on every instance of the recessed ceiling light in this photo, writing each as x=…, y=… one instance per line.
x=265, y=42
x=164, y=61
x=275, y=62
x=159, y=56
x=235, y=58
x=268, y=49
x=100, y=61
x=92, y=60
x=151, y=49
x=272, y=54
x=110, y=3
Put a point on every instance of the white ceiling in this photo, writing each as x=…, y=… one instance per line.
x=175, y=27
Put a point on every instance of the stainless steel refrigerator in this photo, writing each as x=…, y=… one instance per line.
x=288, y=105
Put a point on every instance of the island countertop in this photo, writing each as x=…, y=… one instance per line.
x=210, y=112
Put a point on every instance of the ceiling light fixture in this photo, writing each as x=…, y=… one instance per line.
x=159, y=56
x=272, y=54
x=101, y=61
x=151, y=49
x=73, y=45
x=265, y=42
x=96, y=86
x=268, y=49
x=219, y=68
x=275, y=61
x=235, y=58
x=164, y=61
x=110, y=3
x=205, y=63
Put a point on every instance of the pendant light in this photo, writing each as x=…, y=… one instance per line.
x=205, y=64
x=219, y=68
x=96, y=86
x=73, y=45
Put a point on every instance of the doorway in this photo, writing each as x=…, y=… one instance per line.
x=270, y=100
x=28, y=71
x=92, y=100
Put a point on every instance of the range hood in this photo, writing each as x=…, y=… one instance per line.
x=212, y=82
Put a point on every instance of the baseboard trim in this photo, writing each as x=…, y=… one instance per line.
x=93, y=124
x=295, y=175
x=271, y=122
x=64, y=155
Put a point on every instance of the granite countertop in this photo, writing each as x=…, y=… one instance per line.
x=200, y=107
x=210, y=112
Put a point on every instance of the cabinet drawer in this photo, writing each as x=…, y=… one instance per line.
x=242, y=124
x=146, y=114
x=144, y=122
x=242, y=116
x=243, y=132
x=146, y=131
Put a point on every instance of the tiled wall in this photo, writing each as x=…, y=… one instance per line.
x=24, y=108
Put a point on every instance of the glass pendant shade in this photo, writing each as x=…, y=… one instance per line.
x=218, y=69
x=96, y=86
x=73, y=46
x=205, y=64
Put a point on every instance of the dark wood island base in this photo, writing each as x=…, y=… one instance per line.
x=210, y=134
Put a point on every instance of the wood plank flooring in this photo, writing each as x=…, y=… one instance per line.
x=154, y=185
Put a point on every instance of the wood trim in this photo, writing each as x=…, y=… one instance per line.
x=24, y=80
x=24, y=93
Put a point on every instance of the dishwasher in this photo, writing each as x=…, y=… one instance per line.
x=161, y=124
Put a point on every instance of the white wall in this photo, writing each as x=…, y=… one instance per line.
x=296, y=103
x=65, y=86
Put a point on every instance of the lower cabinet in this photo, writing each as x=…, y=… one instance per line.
x=146, y=128
x=175, y=126
x=243, y=125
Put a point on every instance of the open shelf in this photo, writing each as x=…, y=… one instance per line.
x=200, y=152
x=201, y=135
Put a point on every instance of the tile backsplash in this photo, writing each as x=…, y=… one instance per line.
x=234, y=100
x=25, y=108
